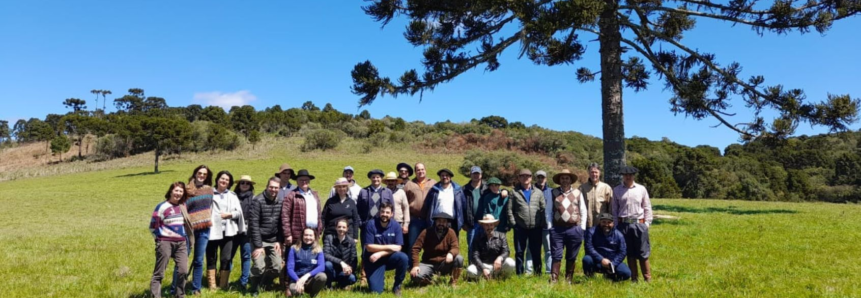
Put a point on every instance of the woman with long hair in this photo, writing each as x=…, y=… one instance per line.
x=168, y=229
x=227, y=223
x=245, y=192
x=306, y=265
x=199, y=194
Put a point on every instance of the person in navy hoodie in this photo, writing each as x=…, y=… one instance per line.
x=383, y=240
x=306, y=264
x=605, y=251
x=445, y=197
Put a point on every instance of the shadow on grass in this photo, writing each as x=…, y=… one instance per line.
x=143, y=174
x=669, y=222
x=731, y=210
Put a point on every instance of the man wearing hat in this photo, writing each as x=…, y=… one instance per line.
x=598, y=195
x=285, y=173
x=264, y=231
x=445, y=197
x=542, y=186
x=405, y=171
x=301, y=209
x=494, y=203
x=402, y=205
x=605, y=250
x=441, y=252
x=526, y=214
x=353, y=188
x=472, y=192
x=632, y=209
x=568, y=215
x=489, y=255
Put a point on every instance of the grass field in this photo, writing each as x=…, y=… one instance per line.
x=85, y=235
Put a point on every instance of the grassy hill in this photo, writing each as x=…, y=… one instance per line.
x=82, y=232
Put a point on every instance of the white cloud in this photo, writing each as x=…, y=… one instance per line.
x=225, y=99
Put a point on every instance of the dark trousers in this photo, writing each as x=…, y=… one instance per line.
x=417, y=225
x=565, y=238
x=377, y=271
x=533, y=239
x=335, y=274
x=164, y=251
x=636, y=240
x=225, y=247
x=590, y=267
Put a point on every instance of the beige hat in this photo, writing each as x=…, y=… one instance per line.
x=246, y=178
x=391, y=176
x=488, y=219
x=564, y=172
x=342, y=182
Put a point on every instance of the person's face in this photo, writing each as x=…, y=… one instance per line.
x=594, y=174
x=628, y=178
x=341, y=229
x=308, y=236
x=385, y=214
x=273, y=188
x=420, y=171
x=303, y=182
x=392, y=184
x=475, y=177
x=201, y=174
x=223, y=181
x=488, y=229
x=445, y=178
x=349, y=175
x=525, y=180
x=376, y=180
x=541, y=180
x=440, y=224
x=176, y=194
x=341, y=190
x=565, y=180
x=404, y=173
x=606, y=225
x=494, y=188
x=285, y=176
x=244, y=185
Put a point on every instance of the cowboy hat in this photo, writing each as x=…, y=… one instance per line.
x=488, y=219
x=404, y=165
x=304, y=172
x=564, y=172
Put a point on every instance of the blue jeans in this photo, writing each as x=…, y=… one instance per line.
x=417, y=225
x=590, y=267
x=201, y=238
x=377, y=271
x=338, y=276
x=244, y=244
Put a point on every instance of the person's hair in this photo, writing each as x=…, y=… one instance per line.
x=229, y=175
x=274, y=178
x=250, y=187
x=593, y=165
x=170, y=191
x=387, y=205
x=315, y=245
x=344, y=219
x=207, y=181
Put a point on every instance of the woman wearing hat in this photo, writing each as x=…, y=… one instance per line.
x=569, y=224
x=245, y=192
x=339, y=206
x=300, y=210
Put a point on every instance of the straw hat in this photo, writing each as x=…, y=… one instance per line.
x=564, y=172
x=342, y=182
x=246, y=178
x=488, y=219
x=391, y=176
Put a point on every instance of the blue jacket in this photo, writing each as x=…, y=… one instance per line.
x=548, y=201
x=364, y=202
x=432, y=200
x=304, y=262
x=600, y=246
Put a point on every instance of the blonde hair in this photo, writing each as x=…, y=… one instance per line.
x=315, y=245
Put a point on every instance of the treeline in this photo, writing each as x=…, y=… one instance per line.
x=817, y=168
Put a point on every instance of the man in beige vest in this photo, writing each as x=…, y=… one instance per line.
x=598, y=195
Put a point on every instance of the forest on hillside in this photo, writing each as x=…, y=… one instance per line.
x=806, y=168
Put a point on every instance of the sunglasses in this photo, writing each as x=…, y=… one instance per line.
x=244, y=183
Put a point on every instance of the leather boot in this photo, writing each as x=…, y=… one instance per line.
x=210, y=278
x=647, y=270
x=632, y=263
x=254, y=285
x=224, y=278
x=554, y=271
x=455, y=275
x=570, y=266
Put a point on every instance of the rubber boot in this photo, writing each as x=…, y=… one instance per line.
x=455, y=275
x=210, y=279
x=224, y=278
x=554, y=271
x=647, y=270
x=632, y=263
x=570, y=266
x=254, y=286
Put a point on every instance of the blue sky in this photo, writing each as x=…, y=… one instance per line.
x=287, y=52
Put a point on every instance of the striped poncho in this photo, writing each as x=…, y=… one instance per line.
x=199, y=203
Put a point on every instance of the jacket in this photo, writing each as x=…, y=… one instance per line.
x=433, y=249
x=334, y=210
x=599, y=199
x=235, y=225
x=471, y=215
x=365, y=202
x=338, y=251
x=293, y=215
x=264, y=220
x=432, y=200
x=600, y=246
x=548, y=203
x=526, y=215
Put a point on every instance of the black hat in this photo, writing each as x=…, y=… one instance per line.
x=404, y=165
x=604, y=216
x=443, y=215
x=376, y=172
x=304, y=172
x=628, y=170
x=445, y=171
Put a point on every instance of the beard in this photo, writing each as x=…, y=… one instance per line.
x=607, y=230
x=384, y=219
x=441, y=230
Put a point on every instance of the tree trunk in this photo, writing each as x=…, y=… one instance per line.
x=611, y=93
x=80, y=145
x=156, y=159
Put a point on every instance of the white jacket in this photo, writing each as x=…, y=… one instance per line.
x=226, y=202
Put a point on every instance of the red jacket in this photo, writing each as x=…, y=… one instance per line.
x=293, y=215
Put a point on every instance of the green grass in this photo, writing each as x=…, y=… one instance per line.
x=85, y=235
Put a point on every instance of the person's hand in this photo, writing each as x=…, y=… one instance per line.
x=257, y=251
x=503, y=193
x=449, y=258
x=355, y=241
x=347, y=269
x=497, y=265
x=486, y=274
x=406, y=230
x=277, y=249
x=605, y=262
x=300, y=284
x=376, y=256
x=288, y=241
x=226, y=215
x=414, y=272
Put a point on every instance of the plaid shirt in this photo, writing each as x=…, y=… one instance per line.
x=485, y=251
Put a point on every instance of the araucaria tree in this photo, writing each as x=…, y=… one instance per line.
x=639, y=41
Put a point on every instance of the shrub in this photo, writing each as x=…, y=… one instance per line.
x=501, y=164
x=322, y=139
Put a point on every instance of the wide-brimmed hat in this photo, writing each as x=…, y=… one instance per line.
x=525, y=172
x=246, y=178
x=303, y=172
x=404, y=165
x=442, y=215
x=494, y=180
x=488, y=219
x=376, y=172
x=341, y=182
x=283, y=167
x=604, y=216
x=628, y=170
x=447, y=171
x=564, y=172
x=391, y=176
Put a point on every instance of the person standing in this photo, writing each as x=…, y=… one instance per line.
x=199, y=204
x=285, y=173
x=472, y=192
x=598, y=195
x=632, y=209
x=542, y=186
x=168, y=229
x=340, y=251
x=489, y=258
x=245, y=192
x=441, y=252
x=405, y=171
x=493, y=202
x=568, y=214
x=340, y=206
x=227, y=223
x=383, y=239
x=605, y=250
x=445, y=197
x=370, y=200
x=353, y=188
x=402, y=205
x=416, y=194
x=264, y=229
x=305, y=265
x=300, y=210
x=526, y=215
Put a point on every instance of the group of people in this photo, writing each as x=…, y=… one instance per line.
x=409, y=225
